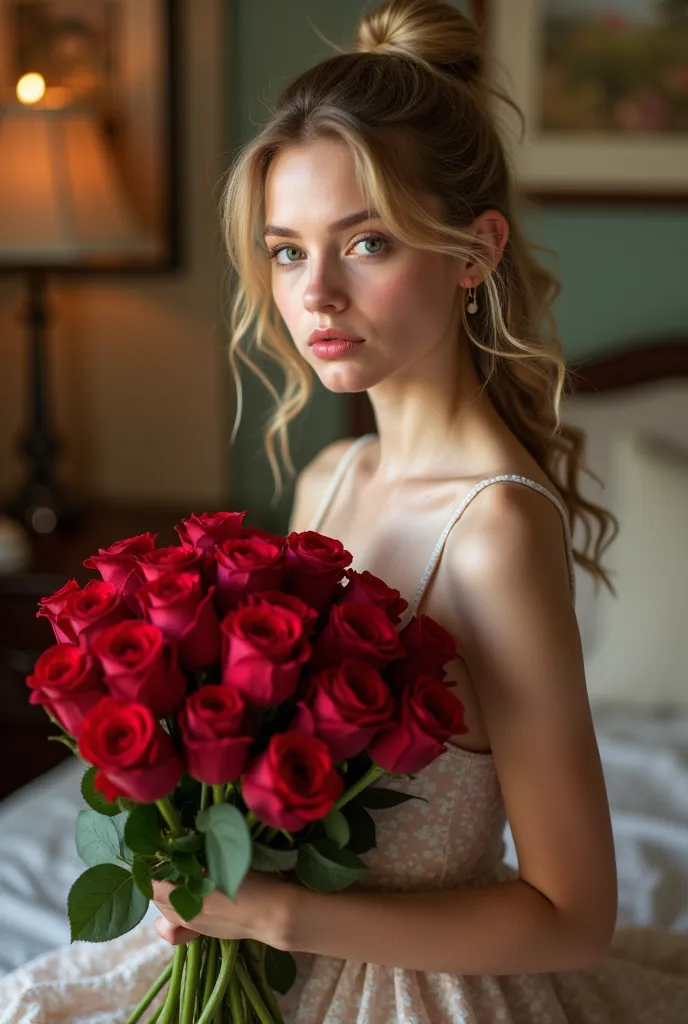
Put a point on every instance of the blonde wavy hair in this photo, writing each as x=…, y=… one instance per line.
x=414, y=83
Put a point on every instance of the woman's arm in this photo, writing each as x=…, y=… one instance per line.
x=520, y=640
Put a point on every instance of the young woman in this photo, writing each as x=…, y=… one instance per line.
x=374, y=214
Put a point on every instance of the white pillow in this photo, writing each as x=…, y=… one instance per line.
x=641, y=653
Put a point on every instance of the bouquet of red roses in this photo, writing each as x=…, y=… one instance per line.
x=234, y=697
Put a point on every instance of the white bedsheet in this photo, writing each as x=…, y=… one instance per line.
x=645, y=759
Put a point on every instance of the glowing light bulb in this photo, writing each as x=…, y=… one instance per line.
x=30, y=88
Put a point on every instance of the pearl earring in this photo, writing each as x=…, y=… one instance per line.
x=472, y=305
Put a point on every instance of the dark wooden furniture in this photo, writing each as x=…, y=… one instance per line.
x=25, y=750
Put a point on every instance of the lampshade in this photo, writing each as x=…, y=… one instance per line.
x=61, y=199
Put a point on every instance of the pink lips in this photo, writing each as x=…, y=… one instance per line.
x=328, y=343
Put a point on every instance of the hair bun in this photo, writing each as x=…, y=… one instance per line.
x=430, y=31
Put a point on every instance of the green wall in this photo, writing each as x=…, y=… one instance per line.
x=624, y=270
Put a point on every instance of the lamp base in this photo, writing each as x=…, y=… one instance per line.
x=43, y=509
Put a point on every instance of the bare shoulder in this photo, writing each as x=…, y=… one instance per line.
x=312, y=482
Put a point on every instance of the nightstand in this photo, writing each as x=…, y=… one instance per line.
x=25, y=750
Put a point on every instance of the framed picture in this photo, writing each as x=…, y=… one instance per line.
x=89, y=102
x=603, y=87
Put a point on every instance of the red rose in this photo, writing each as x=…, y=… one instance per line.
x=427, y=715
x=315, y=564
x=67, y=683
x=308, y=616
x=293, y=782
x=176, y=604
x=118, y=564
x=346, y=705
x=360, y=631
x=210, y=528
x=428, y=648
x=264, y=649
x=246, y=565
x=133, y=753
x=256, y=531
x=175, y=558
x=51, y=608
x=86, y=613
x=364, y=588
x=213, y=730
x=140, y=667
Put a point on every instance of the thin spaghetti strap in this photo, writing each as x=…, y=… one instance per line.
x=456, y=515
x=337, y=477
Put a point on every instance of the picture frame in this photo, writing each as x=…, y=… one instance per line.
x=603, y=88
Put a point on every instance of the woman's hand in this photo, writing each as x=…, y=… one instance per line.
x=262, y=911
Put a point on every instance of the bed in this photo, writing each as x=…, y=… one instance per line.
x=634, y=407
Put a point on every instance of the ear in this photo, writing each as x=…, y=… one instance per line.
x=492, y=228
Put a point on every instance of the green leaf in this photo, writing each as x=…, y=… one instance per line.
x=280, y=969
x=188, y=844
x=326, y=868
x=95, y=800
x=166, y=873
x=186, y=903
x=381, y=799
x=188, y=866
x=265, y=859
x=99, y=840
x=227, y=846
x=104, y=903
x=206, y=887
x=141, y=872
x=142, y=832
x=337, y=828
x=362, y=828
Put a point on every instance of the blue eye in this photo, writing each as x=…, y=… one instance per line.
x=291, y=249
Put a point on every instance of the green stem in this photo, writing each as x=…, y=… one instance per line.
x=151, y=994
x=372, y=775
x=191, y=979
x=261, y=828
x=253, y=995
x=237, y=1014
x=218, y=794
x=156, y=1016
x=229, y=955
x=170, y=1012
x=169, y=813
x=229, y=789
x=210, y=970
x=256, y=964
x=205, y=793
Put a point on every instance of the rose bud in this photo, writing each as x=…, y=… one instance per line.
x=308, y=616
x=428, y=647
x=140, y=667
x=176, y=604
x=175, y=558
x=346, y=706
x=315, y=564
x=256, y=531
x=264, y=649
x=427, y=715
x=210, y=528
x=118, y=564
x=246, y=565
x=52, y=607
x=66, y=681
x=214, y=734
x=364, y=588
x=293, y=782
x=360, y=631
x=86, y=613
x=132, y=752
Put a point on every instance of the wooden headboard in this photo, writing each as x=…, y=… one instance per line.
x=645, y=361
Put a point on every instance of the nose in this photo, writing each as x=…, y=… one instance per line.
x=324, y=288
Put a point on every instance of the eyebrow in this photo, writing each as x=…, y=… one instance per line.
x=339, y=225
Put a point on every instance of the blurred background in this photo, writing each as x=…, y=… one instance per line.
x=118, y=119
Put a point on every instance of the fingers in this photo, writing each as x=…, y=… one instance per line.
x=175, y=934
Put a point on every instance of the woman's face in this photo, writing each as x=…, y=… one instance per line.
x=401, y=303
